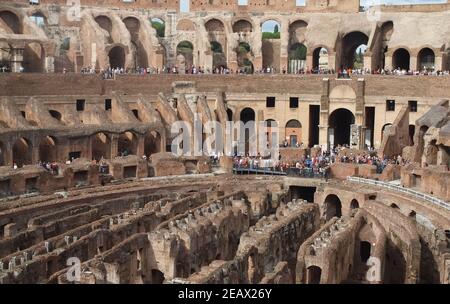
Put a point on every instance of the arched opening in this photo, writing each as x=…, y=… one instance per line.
x=157, y=276
x=159, y=26
x=219, y=57
x=185, y=54
x=271, y=46
x=269, y=124
x=401, y=59
x=186, y=25
x=230, y=114
x=333, y=207
x=293, y=132
x=152, y=143
x=217, y=36
x=10, y=23
x=244, y=55
x=364, y=251
x=384, y=129
x=313, y=275
x=22, y=151
x=320, y=60
x=242, y=26
x=101, y=146
x=297, y=58
x=426, y=59
x=412, y=214
x=47, y=150
x=354, y=45
x=106, y=25
x=33, y=58
x=354, y=204
x=2, y=154
x=387, y=29
x=38, y=19
x=127, y=144
x=251, y=269
x=247, y=115
x=411, y=131
x=339, y=125
x=137, y=49
x=117, y=57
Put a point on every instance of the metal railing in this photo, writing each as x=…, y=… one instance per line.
x=291, y=172
x=414, y=193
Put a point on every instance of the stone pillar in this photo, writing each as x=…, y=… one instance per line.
x=438, y=63
x=284, y=45
x=309, y=62
x=50, y=64
x=114, y=145
x=413, y=63
x=388, y=62
x=332, y=61
x=35, y=153
x=17, y=60
x=8, y=155
x=141, y=145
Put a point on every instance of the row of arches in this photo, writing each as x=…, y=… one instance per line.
x=401, y=59
x=101, y=147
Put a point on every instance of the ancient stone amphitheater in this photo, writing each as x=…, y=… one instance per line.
x=147, y=216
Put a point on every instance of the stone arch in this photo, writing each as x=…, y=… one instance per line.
x=339, y=124
x=159, y=25
x=127, y=144
x=350, y=43
x=247, y=114
x=332, y=207
x=22, y=152
x=152, y=143
x=243, y=54
x=10, y=22
x=401, y=59
x=101, y=146
x=116, y=57
x=105, y=23
x=185, y=25
x=214, y=25
x=426, y=59
x=34, y=58
x=48, y=149
x=297, y=32
x=242, y=26
x=293, y=131
x=354, y=204
x=320, y=58
x=185, y=54
x=313, y=274
x=271, y=46
x=56, y=115
x=387, y=29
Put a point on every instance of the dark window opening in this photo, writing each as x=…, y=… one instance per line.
x=412, y=104
x=80, y=105
x=108, y=104
x=74, y=155
x=293, y=102
x=365, y=248
x=136, y=113
x=390, y=105
x=270, y=102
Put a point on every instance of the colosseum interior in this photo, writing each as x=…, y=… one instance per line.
x=111, y=194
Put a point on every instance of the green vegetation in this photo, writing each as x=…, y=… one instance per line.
x=297, y=52
x=159, y=26
x=185, y=47
x=65, y=45
x=359, y=59
x=243, y=48
x=216, y=47
x=269, y=35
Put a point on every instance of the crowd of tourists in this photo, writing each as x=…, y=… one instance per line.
x=319, y=165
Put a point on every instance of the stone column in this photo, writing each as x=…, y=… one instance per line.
x=8, y=155
x=141, y=145
x=414, y=63
x=284, y=45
